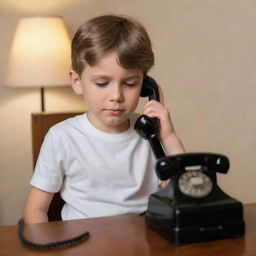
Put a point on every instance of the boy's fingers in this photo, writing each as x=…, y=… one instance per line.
x=152, y=103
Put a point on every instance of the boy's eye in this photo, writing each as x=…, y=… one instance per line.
x=101, y=84
x=129, y=84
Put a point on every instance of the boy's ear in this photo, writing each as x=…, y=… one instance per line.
x=76, y=82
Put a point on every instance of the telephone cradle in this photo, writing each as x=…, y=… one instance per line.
x=192, y=207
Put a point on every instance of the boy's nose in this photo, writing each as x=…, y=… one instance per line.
x=117, y=94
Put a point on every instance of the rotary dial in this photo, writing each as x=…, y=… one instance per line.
x=195, y=184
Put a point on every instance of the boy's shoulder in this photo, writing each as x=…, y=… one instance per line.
x=68, y=123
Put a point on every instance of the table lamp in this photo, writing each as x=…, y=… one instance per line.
x=40, y=54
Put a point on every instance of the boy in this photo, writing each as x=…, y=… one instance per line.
x=96, y=160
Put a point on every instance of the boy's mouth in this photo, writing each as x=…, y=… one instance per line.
x=115, y=111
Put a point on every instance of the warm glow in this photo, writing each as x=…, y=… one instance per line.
x=40, y=53
x=37, y=6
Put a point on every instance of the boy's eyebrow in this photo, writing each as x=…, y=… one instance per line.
x=133, y=76
x=107, y=77
x=100, y=76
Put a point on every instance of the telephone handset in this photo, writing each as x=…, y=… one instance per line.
x=145, y=126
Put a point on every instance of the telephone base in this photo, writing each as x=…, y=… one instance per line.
x=184, y=223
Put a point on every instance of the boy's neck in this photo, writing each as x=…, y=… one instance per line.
x=112, y=129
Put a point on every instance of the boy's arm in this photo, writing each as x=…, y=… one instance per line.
x=171, y=142
x=37, y=205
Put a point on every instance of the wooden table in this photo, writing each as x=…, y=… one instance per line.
x=123, y=236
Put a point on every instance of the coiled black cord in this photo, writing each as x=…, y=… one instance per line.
x=52, y=245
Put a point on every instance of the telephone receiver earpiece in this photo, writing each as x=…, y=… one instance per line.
x=149, y=89
x=145, y=126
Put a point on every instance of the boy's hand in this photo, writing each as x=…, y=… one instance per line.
x=167, y=134
x=157, y=109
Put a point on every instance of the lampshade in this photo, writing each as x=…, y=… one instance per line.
x=40, y=53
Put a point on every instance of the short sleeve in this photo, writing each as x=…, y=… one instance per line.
x=49, y=171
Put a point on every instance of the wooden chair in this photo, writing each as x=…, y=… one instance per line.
x=41, y=123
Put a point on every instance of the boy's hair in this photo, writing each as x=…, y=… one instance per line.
x=110, y=33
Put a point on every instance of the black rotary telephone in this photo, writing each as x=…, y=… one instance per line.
x=192, y=207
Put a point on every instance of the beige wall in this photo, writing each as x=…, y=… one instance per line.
x=205, y=61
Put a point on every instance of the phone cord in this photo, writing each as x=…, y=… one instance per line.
x=51, y=245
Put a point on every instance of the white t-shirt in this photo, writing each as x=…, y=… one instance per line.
x=97, y=174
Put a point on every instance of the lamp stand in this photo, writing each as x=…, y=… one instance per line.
x=42, y=99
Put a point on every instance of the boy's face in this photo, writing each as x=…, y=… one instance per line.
x=111, y=93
